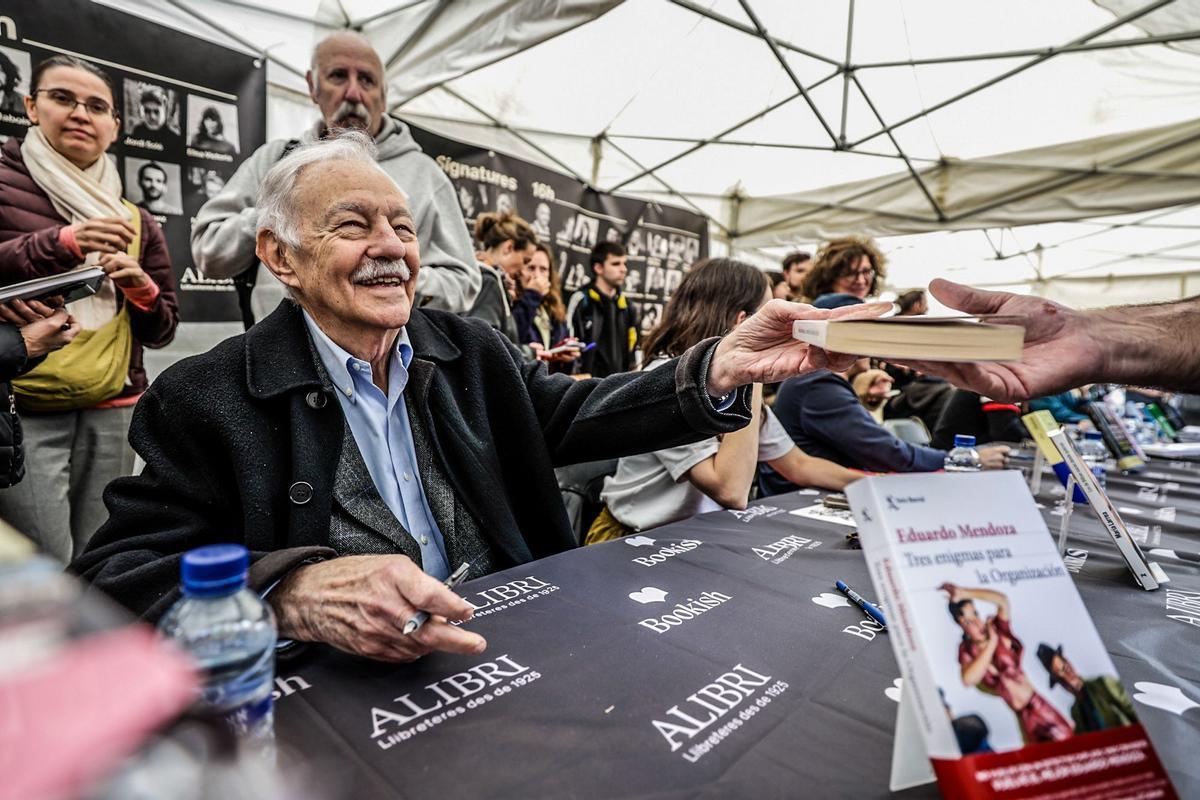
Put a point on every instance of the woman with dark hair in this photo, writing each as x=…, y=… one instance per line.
x=210, y=135
x=61, y=208
x=11, y=101
x=851, y=265
x=990, y=656
x=649, y=490
x=540, y=314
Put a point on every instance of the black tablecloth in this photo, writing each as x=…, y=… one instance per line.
x=583, y=691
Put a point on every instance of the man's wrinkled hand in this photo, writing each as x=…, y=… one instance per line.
x=762, y=349
x=359, y=604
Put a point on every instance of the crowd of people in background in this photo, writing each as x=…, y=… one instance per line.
x=75, y=373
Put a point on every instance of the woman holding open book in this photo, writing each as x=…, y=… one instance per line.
x=653, y=489
x=990, y=656
x=61, y=208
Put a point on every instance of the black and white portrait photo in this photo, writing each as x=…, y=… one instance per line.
x=151, y=111
x=541, y=221
x=154, y=185
x=203, y=184
x=212, y=125
x=14, y=80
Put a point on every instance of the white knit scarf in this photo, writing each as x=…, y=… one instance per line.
x=79, y=195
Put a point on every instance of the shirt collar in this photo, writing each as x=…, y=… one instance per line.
x=338, y=363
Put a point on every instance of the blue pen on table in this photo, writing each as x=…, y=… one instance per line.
x=421, y=617
x=869, y=608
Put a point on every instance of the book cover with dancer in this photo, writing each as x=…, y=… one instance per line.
x=1006, y=680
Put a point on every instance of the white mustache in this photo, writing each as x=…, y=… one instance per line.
x=347, y=109
x=375, y=268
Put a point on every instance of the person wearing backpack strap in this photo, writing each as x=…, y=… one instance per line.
x=61, y=208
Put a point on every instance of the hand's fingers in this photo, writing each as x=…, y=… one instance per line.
x=26, y=313
x=839, y=362
x=862, y=311
x=114, y=225
x=438, y=635
x=10, y=316
x=40, y=308
x=965, y=298
x=428, y=594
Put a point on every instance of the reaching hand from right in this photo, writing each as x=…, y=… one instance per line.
x=1059, y=351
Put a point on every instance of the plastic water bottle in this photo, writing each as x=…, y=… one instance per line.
x=230, y=633
x=963, y=457
x=1094, y=454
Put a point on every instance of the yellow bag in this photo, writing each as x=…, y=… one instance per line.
x=92, y=368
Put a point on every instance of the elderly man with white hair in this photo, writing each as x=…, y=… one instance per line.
x=362, y=448
x=348, y=85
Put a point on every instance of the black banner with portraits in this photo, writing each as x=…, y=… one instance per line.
x=190, y=112
x=662, y=241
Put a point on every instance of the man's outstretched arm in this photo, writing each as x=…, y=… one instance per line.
x=1150, y=345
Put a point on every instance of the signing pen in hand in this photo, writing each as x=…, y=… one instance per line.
x=869, y=608
x=421, y=617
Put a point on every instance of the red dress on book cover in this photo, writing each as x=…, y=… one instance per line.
x=1040, y=720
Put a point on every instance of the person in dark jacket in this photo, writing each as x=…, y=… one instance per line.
x=506, y=244
x=601, y=315
x=361, y=448
x=61, y=208
x=28, y=332
x=970, y=414
x=539, y=312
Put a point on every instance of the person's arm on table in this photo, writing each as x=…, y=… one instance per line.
x=727, y=475
x=801, y=469
x=1151, y=345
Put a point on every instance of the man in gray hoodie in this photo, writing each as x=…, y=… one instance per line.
x=347, y=83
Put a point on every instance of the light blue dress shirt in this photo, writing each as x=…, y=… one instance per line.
x=381, y=429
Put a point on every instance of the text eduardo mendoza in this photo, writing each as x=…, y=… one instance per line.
x=944, y=533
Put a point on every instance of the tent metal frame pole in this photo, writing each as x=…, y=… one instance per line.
x=719, y=136
x=787, y=68
x=1141, y=12
x=670, y=189
x=1086, y=47
x=847, y=72
x=345, y=15
x=738, y=26
x=244, y=42
x=359, y=24
x=1106, y=228
x=417, y=33
x=916, y=176
x=520, y=136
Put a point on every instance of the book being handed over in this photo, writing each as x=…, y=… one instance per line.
x=922, y=338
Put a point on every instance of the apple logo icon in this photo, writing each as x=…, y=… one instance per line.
x=648, y=594
x=639, y=541
x=1168, y=698
x=893, y=691
x=831, y=600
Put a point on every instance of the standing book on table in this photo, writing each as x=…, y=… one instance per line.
x=1007, y=690
x=1116, y=437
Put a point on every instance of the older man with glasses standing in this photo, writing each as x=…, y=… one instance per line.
x=348, y=85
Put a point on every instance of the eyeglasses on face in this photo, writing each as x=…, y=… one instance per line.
x=64, y=99
x=867, y=273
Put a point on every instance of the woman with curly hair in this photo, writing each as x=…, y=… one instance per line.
x=850, y=265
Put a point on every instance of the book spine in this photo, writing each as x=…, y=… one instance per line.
x=883, y=562
x=1114, y=438
x=1106, y=512
x=814, y=332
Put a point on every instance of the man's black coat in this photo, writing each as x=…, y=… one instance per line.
x=241, y=445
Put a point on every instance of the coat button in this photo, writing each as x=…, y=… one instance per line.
x=300, y=492
x=316, y=399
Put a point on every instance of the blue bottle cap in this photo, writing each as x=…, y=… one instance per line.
x=215, y=570
x=1092, y=435
x=961, y=440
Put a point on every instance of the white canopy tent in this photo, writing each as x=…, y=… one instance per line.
x=1046, y=146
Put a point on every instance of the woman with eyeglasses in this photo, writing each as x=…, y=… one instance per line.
x=61, y=208
x=851, y=265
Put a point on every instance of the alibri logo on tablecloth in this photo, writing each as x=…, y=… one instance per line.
x=754, y=512
x=785, y=548
x=508, y=595
x=1183, y=606
x=698, y=715
x=417, y=712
